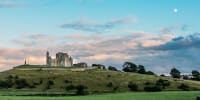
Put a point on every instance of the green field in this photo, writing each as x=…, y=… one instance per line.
x=177, y=95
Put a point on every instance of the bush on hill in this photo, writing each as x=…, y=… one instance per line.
x=50, y=82
x=6, y=83
x=112, y=68
x=162, y=83
x=81, y=90
x=108, y=75
x=153, y=88
x=67, y=81
x=70, y=87
x=183, y=87
x=10, y=77
x=21, y=83
x=110, y=84
x=150, y=73
x=148, y=83
x=115, y=88
x=132, y=86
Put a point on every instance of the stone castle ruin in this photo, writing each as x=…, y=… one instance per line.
x=61, y=60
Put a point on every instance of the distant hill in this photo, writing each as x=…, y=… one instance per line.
x=95, y=80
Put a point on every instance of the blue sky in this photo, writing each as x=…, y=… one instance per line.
x=129, y=28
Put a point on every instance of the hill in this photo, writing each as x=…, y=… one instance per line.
x=96, y=80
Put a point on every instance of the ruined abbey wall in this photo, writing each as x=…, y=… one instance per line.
x=61, y=60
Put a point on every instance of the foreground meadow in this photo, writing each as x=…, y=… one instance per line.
x=176, y=95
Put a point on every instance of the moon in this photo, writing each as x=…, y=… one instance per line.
x=175, y=10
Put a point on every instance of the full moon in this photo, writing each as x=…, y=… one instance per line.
x=175, y=10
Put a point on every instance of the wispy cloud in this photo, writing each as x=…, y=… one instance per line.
x=98, y=27
x=26, y=3
x=171, y=29
x=10, y=4
x=35, y=40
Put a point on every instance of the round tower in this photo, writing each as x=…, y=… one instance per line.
x=47, y=58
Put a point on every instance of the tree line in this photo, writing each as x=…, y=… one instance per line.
x=174, y=72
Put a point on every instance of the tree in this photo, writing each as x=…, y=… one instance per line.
x=162, y=75
x=112, y=68
x=196, y=75
x=99, y=66
x=175, y=73
x=150, y=73
x=129, y=67
x=141, y=69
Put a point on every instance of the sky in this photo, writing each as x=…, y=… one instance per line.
x=159, y=34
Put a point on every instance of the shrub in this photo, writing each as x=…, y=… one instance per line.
x=32, y=86
x=81, y=90
x=162, y=75
x=70, y=87
x=185, y=77
x=54, y=78
x=162, y=83
x=153, y=88
x=16, y=77
x=3, y=84
x=132, y=86
x=67, y=81
x=6, y=84
x=183, y=87
x=21, y=83
x=115, y=88
x=35, y=83
x=10, y=77
x=9, y=83
x=112, y=68
x=166, y=83
x=150, y=73
x=108, y=75
x=109, y=84
x=48, y=87
x=50, y=82
x=147, y=83
x=41, y=81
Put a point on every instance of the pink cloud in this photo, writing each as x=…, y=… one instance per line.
x=92, y=48
x=107, y=57
x=150, y=43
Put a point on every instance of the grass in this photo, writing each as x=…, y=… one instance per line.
x=95, y=80
x=176, y=95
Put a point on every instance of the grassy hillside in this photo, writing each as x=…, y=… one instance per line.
x=95, y=80
x=118, y=96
